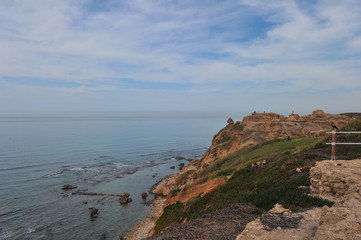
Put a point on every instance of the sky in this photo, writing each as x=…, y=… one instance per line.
x=168, y=55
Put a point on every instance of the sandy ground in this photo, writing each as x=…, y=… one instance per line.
x=141, y=230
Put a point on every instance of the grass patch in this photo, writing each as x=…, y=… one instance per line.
x=174, y=192
x=248, y=155
x=276, y=182
x=171, y=215
x=224, y=172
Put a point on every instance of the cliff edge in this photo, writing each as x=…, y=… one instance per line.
x=263, y=160
x=252, y=130
x=339, y=181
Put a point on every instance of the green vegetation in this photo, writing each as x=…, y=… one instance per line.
x=249, y=155
x=349, y=151
x=224, y=172
x=276, y=181
x=171, y=214
x=174, y=192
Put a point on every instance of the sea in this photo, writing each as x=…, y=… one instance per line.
x=102, y=154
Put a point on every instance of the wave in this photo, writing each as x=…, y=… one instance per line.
x=104, y=171
x=6, y=234
x=31, y=230
x=77, y=169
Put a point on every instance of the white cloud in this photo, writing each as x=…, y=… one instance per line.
x=300, y=49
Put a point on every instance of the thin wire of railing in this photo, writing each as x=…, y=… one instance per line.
x=334, y=143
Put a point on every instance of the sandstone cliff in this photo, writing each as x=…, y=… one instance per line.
x=264, y=159
x=253, y=129
x=261, y=127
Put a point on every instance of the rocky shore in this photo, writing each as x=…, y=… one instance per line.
x=290, y=151
x=143, y=229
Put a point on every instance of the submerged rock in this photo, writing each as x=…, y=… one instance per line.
x=144, y=195
x=85, y=202
x=125, y=194
x=124, y=198
x=181, y=166
x=93, y=212
x=68, y=186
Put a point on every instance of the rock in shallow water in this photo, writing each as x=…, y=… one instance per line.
x=181, y=166
x=93, y=212
x=68, y=186
x=124, y=198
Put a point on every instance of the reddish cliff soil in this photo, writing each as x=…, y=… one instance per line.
x=262, y=127
x=252, y=129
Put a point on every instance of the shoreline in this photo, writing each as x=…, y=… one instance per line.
x=142, y=229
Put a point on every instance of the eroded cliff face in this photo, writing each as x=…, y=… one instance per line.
x=253, y=129
x=262, y=127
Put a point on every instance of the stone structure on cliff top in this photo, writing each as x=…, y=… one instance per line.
x=260, y=127
x=339, y=181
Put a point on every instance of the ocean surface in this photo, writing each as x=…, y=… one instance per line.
x=107, y=155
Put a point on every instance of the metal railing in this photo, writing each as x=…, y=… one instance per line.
x=334, y=143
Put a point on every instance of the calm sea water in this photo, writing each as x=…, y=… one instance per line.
x=40, y=154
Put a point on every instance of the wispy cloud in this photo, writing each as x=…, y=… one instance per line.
x=186, y=47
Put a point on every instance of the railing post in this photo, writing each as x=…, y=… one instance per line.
x=333, y=156
x=333, y=143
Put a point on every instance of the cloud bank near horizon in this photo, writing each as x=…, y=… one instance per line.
x=180, y=55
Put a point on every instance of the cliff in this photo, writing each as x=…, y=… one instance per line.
x=263, y=160
x=261, y=127
x=252, y=130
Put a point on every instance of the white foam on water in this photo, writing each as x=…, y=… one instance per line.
x=78, y=169
x=30, y=230
x=5, y=235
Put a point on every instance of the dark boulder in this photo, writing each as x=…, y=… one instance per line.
x=181, y=166
x=93, y=212
x=125, y=194
x=124, y=198
x=68, y=186
x=144, y=195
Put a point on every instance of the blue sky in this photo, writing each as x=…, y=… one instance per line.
x=144, y=55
